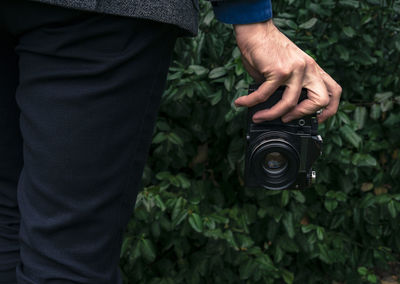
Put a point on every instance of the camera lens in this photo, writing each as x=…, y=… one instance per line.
x=275, y=162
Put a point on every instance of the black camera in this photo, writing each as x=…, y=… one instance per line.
x=280, y=155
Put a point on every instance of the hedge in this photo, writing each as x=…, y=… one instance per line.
x=194, y=222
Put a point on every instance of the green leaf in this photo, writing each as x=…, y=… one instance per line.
x=125, y=244
x=367, y=201
x=307, y=228
x=309, y=24
x=228, y=235
x=208, y=18
x=343, y=52
x=198, y=70
x=362, y=270
x=160, y=137
x=247, y=269
x=183, y=181
x=288, y=224
x=244, y=241
x=383, y=97
x=320, y=233
x=155, y=229
x=147, y=250
x=278, y=254
x=372, y=278
x=135, y=253
x=179, y=218
x=323, y=253
x=159, y=202
x=344, y=117
x=175, y=139
x=196, y=222
x=351, y=136
x=285, y=198
x=298, y=196
x=287, y=276
x=216, y=98
x=349, y=31
x=392, y=208
x=360, y=116
x=349, y=3
x=217, y=72
x=393, y=120
x=337, y=140
x=266, y=262
x=375, y=111
x=364, y=160
x=163, y=175
x=330, y=204
x=386, y=105
x=178, y=207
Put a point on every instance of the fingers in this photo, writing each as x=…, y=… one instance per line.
x=334, y=91
x=323, y=92
x=311, y=105
x=289, y=100
x=258, y=96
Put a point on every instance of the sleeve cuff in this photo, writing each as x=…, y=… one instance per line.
x=243, y=11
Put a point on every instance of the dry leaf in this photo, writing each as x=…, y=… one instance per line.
x=367, y=186
x=380, y=190
x=304, y=221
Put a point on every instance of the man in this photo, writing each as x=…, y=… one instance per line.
x=80, y=85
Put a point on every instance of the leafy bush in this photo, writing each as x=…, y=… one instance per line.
x=194, y=221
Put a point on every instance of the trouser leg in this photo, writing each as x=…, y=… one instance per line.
x=10, y=160
x=89, y=89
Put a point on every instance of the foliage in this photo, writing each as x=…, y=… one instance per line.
x=194, y=222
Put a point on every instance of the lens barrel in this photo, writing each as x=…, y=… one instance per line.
x=275, y=163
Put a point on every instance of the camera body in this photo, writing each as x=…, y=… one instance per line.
x=280, y=155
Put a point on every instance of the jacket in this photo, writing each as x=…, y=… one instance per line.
x=182, y=13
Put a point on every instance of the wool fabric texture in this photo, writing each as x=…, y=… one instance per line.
x=182, y=13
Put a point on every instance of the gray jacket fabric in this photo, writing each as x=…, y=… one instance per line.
x=182, y=13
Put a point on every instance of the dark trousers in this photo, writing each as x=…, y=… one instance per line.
x=79, y=94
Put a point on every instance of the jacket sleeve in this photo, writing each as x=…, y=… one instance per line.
x=242, y=11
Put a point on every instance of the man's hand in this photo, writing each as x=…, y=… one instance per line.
x=268, y=55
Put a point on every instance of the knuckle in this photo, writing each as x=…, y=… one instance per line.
x=323, y=101
x=301, y=64
x=290, y=104
x=338, y=90
x=259, y=97
x=310, y=61
x=283, y=73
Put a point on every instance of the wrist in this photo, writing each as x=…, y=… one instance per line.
x=265, y=27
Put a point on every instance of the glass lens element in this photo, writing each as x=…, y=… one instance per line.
x=275, y=161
